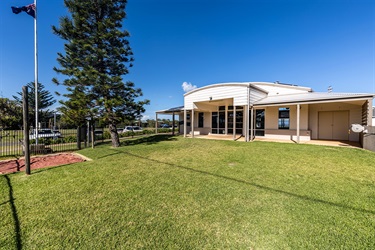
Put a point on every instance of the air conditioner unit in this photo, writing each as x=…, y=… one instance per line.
x=358, y=128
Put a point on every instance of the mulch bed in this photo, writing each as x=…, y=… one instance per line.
x=11, y=166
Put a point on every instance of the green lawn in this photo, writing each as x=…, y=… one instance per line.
x=175, y=193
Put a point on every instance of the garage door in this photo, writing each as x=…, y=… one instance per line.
x=334, y=125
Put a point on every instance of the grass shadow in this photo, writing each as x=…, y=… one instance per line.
x=149, y=140
x=17, y=228
x=303, y=197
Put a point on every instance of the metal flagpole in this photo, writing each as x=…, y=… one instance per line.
x=36, y=72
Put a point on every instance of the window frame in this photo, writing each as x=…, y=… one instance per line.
x=284, y=118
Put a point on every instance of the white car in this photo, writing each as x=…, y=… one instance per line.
x=45, y=133
x=132, y=128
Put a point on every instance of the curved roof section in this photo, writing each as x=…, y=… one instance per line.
x=240, y=84
x=266, y=87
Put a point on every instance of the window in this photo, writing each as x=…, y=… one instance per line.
x=214, y=122
x=200, y=119
x=283, y=118
x=259, y=122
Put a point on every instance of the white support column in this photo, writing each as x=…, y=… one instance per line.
x=192, y=123
x=156, y=124
x=234, y=123
x=226, y=120
x=246, y=114
x=298, y=122
x=252, y=124
x=185, y=127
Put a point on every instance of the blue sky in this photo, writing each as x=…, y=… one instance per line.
x=313, y=43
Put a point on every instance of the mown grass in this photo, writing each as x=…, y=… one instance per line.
x=174, y=193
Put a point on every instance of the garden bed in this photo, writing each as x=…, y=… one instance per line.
x=11, y=166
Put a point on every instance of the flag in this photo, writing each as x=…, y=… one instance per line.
x=29, y=9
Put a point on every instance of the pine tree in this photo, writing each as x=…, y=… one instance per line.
x=45, y=100
x=97, y=56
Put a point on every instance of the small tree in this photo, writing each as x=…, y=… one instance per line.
x=97, y=56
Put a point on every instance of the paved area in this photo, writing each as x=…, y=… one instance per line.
x=314, y=142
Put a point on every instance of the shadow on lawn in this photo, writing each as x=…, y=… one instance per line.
x=303, y=197
x=149, y=140
x=145, y=139
x=17, y=229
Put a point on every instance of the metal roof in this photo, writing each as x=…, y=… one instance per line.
x=171, y=110
x=310, y=97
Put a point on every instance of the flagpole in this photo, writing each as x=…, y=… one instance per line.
x=36, y=72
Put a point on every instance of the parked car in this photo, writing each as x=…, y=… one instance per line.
x=132, y=128
x=165, y=126
x=45, y=133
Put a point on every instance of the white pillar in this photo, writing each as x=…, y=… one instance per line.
x=252, y=124
x=246, y=114
x=298, y=121
x=234, y=122
x=185, y=127
x=226, y=120
x=192, y=123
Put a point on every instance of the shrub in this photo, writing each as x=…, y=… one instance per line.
x=70, y=138
x=106, y=135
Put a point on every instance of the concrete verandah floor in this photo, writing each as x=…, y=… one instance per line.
x=314, y=142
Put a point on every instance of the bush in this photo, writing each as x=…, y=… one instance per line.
x=106, y=135
x=70, y=138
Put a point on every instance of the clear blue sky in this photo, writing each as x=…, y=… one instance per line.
x=313, y=43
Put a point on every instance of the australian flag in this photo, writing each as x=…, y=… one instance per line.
x=29, y=9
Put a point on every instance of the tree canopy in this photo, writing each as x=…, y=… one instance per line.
x=97, y=57
x=45, y=100
x=10, y=114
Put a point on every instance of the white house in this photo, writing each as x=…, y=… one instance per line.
x=272, y=110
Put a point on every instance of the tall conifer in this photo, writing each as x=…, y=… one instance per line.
x=97, y=57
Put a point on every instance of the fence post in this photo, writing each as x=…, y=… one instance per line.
x=26, y=141
x=79, y=137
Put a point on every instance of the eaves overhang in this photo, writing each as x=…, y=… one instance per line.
x=317, y=98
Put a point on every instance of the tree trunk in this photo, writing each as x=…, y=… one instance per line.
x=114, y=136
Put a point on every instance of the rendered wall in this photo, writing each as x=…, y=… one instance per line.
x=272, y=117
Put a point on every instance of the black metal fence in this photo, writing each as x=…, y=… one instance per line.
x=12, y=143
x=53, y=141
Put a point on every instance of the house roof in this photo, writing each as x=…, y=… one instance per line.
x=311, y=97
x=171, y=110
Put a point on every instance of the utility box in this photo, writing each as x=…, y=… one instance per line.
x=368, y=138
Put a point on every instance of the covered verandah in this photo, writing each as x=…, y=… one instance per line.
x=173, y=112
